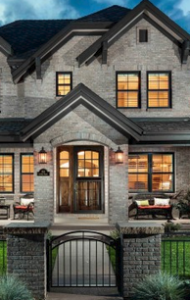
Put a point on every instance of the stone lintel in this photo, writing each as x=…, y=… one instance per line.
x=27, y=228
x=138, y=228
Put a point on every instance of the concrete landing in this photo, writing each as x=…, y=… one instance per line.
x=60, y=296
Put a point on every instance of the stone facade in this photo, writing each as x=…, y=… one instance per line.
x=141, y=253
x=26, y=255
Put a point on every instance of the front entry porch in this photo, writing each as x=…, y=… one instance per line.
x=80, y=179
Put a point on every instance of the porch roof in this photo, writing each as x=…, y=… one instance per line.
x=81, y=95
x=170, y=131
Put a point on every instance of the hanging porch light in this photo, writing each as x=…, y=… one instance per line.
x=119, y=156
x=42, y=156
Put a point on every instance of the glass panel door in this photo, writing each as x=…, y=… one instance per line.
x=88, y=179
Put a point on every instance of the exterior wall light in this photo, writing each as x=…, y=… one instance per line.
x=119, y=155
x=42, y=156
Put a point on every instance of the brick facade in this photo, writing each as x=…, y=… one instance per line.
x=32, y=96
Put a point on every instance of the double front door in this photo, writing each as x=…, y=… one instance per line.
x=80, y=179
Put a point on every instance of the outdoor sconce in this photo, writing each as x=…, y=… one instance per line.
x=119, y=156
x=42, y=156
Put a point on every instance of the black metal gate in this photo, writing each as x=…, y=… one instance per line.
x=82, y=259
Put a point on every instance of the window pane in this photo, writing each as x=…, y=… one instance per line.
x=64, y=164
x=158, y=99
x=162, y=163
x=158, y=86
x=64, y=78
x=63, y=84
x=64, y=155
x=95, y=155
x=27, y=173
x=138, y=182
x=162, y=182
x=6, y=173
x=127, y=90
x=127, y=99
x=156, y=167
x=138, y=163
x=63, y=90
x=88, y=164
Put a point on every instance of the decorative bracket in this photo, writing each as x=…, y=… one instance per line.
x=185, y=51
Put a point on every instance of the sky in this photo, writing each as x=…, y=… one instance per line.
x=11, y=10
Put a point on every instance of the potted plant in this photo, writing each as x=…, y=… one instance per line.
x=183, y=204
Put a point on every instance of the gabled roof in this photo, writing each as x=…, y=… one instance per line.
x=144, y=10
x=81, y=95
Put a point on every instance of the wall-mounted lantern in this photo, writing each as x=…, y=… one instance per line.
x=119, y=156
x=42, y=156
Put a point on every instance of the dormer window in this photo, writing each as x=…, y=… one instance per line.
x=63, y=83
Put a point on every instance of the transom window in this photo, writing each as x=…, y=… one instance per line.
x=128, y=89
x=6, y=173
x=63, y=83
x=151, y=172
x=27, y=173
x=159, y=89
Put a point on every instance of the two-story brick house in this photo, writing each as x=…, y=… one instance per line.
x=79, y=89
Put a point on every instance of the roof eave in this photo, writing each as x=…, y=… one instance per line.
x=71, y=29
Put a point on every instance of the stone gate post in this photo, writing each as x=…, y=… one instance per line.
x=141, y=252
x=26, y=255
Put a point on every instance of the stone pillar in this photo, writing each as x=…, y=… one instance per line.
x=118, y=191
x=141, y=252
x=26, y=255
x=43, y=185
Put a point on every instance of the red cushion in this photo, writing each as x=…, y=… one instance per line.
x=23, y=207
x=154, y=206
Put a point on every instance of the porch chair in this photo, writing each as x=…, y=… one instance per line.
x=25, y=207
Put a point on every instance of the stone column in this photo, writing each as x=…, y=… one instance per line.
x=118, y=189
x=141, y=253
x=43, y=185
x=26, y=255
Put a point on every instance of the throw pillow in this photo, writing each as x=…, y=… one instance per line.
x=24, y=201
x=142, y=202
x=160, y=201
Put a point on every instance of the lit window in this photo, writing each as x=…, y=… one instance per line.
x=88, y=164
x=159, y=89
x=128, y=89
x=6, y=173
x=63, y=83
x=151, y=172
x=27, y=173
x=64, y=164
